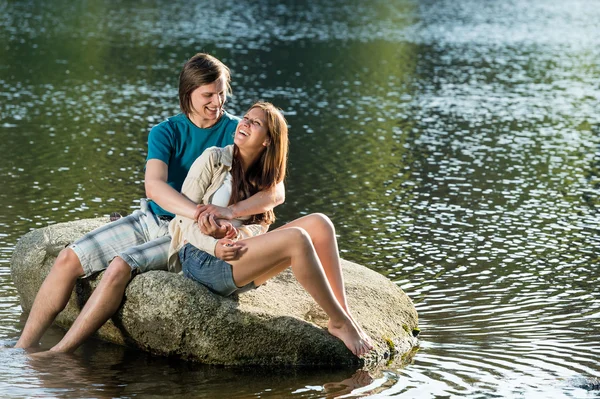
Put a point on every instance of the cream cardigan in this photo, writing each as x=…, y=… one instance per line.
x=204, y=178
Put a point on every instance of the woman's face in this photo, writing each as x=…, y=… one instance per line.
x=207, y=103
x=252, y=133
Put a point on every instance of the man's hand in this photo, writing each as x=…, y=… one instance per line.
x=218, y=211
x=227, y=250
x=217, y=229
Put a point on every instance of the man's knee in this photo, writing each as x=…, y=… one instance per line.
x=67, y=263
x=118, y=272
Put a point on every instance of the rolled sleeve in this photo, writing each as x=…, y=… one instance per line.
x=194, y=187
x=251, y=230
x=192, y=234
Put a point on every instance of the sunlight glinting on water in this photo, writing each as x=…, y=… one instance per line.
x=454, y=144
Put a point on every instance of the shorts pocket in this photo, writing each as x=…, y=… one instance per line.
x=196, y=266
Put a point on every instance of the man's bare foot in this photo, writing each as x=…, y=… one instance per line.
x=47, y=354
x=23, y=343
x=350, y=336
x=44, y=354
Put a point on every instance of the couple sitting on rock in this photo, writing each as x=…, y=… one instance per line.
x=213, y=181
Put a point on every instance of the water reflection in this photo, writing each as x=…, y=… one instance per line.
x=107, y=371
x=454, y=144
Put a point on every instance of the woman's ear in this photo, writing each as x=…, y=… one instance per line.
x=267, y=142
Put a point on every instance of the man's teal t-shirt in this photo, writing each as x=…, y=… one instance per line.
x=178, y=142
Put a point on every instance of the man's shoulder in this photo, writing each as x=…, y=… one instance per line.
x=228, y=120
x=169, y=125
x=231, y=117
x=181, y=123
x=178, y=122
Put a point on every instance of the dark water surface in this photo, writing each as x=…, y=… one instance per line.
x=454, y=144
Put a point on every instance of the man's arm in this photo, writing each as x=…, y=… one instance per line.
x=164, y=195
x=260, y=202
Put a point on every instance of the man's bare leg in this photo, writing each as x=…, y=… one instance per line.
x=101, y=305
x=52, y=297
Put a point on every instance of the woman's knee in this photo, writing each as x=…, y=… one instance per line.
x=298, y=238
x=322, y=222
x=67, y=263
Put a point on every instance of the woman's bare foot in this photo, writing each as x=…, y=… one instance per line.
x=363, y=334
x=350, y=336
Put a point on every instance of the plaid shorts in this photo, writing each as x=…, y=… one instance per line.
x=140, y=239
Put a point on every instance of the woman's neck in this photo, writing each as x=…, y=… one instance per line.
x=246, y=159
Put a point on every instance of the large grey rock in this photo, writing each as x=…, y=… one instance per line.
x=277, y=324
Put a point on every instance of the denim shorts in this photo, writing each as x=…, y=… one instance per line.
x=212, y=272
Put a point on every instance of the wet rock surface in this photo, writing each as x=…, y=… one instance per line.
x=277, y=324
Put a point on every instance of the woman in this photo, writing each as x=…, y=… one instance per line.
x=247, y=257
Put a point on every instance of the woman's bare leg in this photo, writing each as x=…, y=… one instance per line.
x=293, y=246
x=322, y=234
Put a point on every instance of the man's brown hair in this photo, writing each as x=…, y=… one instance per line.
x=200, y=70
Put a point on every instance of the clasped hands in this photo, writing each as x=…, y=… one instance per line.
x=214, y=221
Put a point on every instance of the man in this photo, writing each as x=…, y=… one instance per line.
x=140, y=241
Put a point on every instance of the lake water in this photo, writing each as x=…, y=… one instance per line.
x=455, y=144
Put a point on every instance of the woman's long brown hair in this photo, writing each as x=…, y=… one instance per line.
x=268, y=170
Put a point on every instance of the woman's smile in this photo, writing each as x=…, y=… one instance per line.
x=251, y=132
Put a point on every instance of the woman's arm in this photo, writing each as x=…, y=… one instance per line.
x=199, y=179
x=228, y=249
x=194, y=187
x=251, y=230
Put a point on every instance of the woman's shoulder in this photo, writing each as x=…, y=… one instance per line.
x=211, y=159
x=218, y=155
x=220, y=151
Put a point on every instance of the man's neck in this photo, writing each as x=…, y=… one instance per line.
x=204, y=123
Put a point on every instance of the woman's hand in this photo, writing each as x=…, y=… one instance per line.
x=232, y=231
x=227, y=249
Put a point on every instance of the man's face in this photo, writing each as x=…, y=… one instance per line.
x=207, y=103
